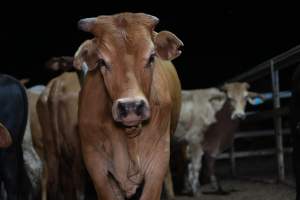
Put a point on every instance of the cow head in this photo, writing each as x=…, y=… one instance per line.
x=5, y=139
x=63, y=63
x=238, y=95
x=125, y=49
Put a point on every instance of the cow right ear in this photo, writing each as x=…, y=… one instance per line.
x=85, y=55
x=5, y=138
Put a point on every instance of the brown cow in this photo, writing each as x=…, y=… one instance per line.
x=219, y=136
x=32, y=145
x=57, y=109
x=129, y=104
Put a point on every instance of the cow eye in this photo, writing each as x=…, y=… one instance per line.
x=101, y=63
x=151, y=60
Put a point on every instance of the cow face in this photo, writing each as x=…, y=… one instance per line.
x=125, y=49
x=238, y=95
x=5, y=139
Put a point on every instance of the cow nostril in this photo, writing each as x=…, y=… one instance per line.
x=122, y=109
x=140, y=107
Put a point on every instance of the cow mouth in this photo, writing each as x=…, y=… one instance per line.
x=132, y=123
x=133, y=129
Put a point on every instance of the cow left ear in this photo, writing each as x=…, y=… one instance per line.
x=167, y=45
x=5, y=138
x=85, y=56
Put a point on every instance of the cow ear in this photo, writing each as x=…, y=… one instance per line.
x=167, y=45
x=85, y=55
x=5, y=138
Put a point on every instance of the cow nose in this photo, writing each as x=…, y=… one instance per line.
x=137, y=107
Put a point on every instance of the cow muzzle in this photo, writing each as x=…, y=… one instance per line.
x=238, y=115
x=131, y=111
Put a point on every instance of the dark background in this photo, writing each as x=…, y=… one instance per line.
x=221, y=39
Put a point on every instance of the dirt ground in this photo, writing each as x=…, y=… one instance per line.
x=262, y=184
x=250, y=190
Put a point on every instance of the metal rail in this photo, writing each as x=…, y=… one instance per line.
x=270, y=67
x=281, y=61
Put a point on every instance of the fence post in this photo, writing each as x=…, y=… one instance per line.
x=232, y=160
x=277, y=122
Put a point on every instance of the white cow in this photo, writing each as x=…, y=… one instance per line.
x=198, y=111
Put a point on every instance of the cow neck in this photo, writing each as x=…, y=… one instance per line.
x=225, y=112
x=81, y=77
x=130, y=175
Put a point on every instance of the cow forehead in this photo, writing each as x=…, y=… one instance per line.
x=237, y=90
x=116, y=45
x=123, y=33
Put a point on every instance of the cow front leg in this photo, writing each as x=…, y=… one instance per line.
x=168, y=182
x=153, y=185
x=156, y=175
x=214, y=182
x=96, y=166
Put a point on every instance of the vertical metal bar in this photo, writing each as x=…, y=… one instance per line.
x=277, y=122
x=232, y=160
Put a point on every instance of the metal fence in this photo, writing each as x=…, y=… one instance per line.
x=270, y=68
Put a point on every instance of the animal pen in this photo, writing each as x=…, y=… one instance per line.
x=268, y=76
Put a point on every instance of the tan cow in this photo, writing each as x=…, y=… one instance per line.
x=57, y=108
x=129, y=104
x=200, y=114
x=33, y=144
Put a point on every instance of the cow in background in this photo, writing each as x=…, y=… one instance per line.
x=57, y=111
x=207, y=123
x=33, y=147
x=13, y=119
x=220, y=135
x=60, y=64
x=32, y=144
